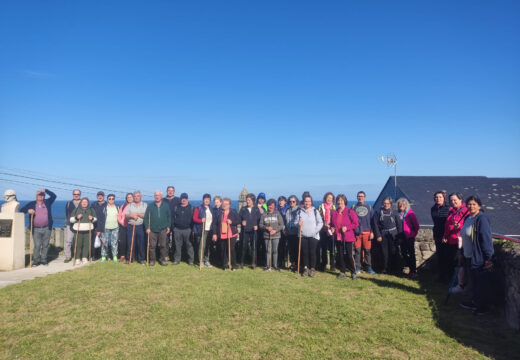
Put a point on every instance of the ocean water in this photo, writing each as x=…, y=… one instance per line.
x=58, y=209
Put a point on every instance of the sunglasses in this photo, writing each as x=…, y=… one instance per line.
x=76, y=194
x=111, y=198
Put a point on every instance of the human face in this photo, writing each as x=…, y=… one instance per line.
x=225, y=205
x=170, y=192
x=361, y=198
x=111, y=200
x=217, y=203
x=76, y=194
x=249, y=202
x=307, y=203
x=206, y=202
x=130, y=198
x=292, y=202
x=281, y=203
x=439, y=199
x=473, y=207
x=157, y=196
x=137, y=198
x=455, y=201
x=270, y=207
x=261, y=201
x=100, y=198
x=387, y=204
x=401, y=206
x=341, y=203
x=40, y=197
x=329, y=199
x=184, y=202
x=84, y=203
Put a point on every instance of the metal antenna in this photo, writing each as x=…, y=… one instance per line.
x=390, y=161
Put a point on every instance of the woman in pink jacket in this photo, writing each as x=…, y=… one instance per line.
x=454, y=222
x=123, y=223
x=344, y=221
x=410, y=230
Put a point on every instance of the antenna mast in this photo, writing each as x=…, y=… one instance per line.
x=390, y=161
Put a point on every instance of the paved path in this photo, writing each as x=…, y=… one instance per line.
x=55, y=266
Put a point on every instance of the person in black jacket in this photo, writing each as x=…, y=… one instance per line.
x=387, y=227
x=173, y=201
x=100, y=209
x=182, y=223
x=225, y=228
x=477, y=247
x=69, y=233
x=439, y=212
x=249, y=216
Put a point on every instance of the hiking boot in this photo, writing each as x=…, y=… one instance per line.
x=305, y=272
x=103, y=259
x=358, y=271
x=469, y=305
x=44, y=263
x=267, y=268
x=457, y=289
x=371, y=271
x=163, y=263
x=312, y=273
x=341, y=275
x=67, y=260
x=354, y=276
x=35, y=264
x=175, y=263
x=152, y=263
x=84, y=260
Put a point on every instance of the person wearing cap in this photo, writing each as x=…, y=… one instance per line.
x=172, y=201
x=203, y=217
x=260, y=201
x=135, y=214
x=99, y=207
x=69, y=233
x=110, y=235
x=182, y=219
x=157, y=222
x=41, y=210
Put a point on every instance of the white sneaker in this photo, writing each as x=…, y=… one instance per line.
x=457, y=289
x=84, y=261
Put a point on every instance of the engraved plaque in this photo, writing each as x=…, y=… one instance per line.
x=6, y=227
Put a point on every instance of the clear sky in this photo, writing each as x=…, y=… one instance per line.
x=277, y=96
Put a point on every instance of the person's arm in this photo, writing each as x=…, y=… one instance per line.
x=486, y=240
x=262, y=224
x=27, y=206
x=375, y=227
x=195, y=217
x=415, y=224
x=52, y=196
x=319, y=224
x=355, y=221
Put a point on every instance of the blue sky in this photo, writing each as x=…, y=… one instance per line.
x=276, y=96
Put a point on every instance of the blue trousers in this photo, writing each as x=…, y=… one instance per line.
x=138, y=251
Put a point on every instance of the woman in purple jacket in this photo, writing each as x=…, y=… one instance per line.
x=410, y=230
x=344, y=221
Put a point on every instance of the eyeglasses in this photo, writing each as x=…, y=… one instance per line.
x=76, y=194
x=292, y=201
x=111, y=198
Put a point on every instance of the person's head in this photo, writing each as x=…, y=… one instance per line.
x=282, y=201
x=157, y=196
x=137, y=196
x=271, y=204
x=129, y=198
x=341, y=200
x=474, y=205
x=439, y=197
x=328, y=198
x=170, y=191
x=226, y=203
x=456, y=200
x=403, y=204
x=111, y=198
x=40, y=195
x=217, y=201
x=261, y=198
x=184, y=199
x=250, y=200
x=361, y=197
x=76, y=194
x=206, y=199
x=293, y=201
x=84, y=202
x=305, y=193
x=307, y=202
x=387, y=203
x=100, y=196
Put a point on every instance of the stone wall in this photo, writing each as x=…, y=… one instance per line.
x=508, y=263
x=424, y=248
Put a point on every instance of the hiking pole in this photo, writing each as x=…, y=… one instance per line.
x=452, y=283
x=132, y=244
x=148, y=244
x=89, y=243
x=299, y=250
x=229, y=246
x=31, y=242
x=76, y=246
x=270, y=251
x=202, y=244
x=254, y=248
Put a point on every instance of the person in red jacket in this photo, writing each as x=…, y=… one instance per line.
x=454, y=223
x=344, y=221
x=410, y=230
x=224, y=228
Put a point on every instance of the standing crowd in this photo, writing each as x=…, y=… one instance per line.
x=284, y=233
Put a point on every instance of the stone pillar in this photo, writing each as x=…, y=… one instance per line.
x=242, y=199
x=12, y=241
x=59, y=241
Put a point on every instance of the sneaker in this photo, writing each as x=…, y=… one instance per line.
x=152, y=263
x=175, y=263
x=163, y=263
x=84, y=260
x=354, y=276
x=276, y=268
x=142, y=262
x=312, y=273
x=44, y=263
x=371, y=271
x=207, y=264
x=457, y=289
x=190, y=263
x=305, y=272
x=121, y=259
x=357, y=271
x=67, y=260
x=469, y=305
x=267, y=268
x=114, y=259
x=35, y=264
x=341, y=275
x=103, y=259
x=253, y=267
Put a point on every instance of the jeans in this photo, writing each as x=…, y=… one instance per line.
x=41, y=237
x=111, y=239
x=271, y=249
x=138, y=242
x=182, y=236
x=326, y=243
x=69, y=242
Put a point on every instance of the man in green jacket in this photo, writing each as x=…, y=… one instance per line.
x=157, y=222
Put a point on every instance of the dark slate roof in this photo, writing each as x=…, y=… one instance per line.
x=500, y=197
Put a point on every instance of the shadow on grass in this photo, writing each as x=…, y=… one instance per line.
x=52, y=254
x=395, y=285
x=489, y=334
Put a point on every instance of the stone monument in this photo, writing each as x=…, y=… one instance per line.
x=12, y=234
x=242, y=199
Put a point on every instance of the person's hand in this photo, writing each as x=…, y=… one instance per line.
x=167, y=231
x=148, y=231
x=244, y=223
x=488, y=265
x=229, y=221
x=203, y=219
x=444, y=240
x=90, y=217
x=344, y=229
x=327, y=226
x=371, y=236
x=268, y=228
x=98, y=233
x=332, y=230
x=272, y=232
x=41, y=192
x=255, y=228
x=31, y=211
x=79, y=216
x=214, y=238
x=380, y=239
x=135, y=216
x=300, y=222
x=457, y=226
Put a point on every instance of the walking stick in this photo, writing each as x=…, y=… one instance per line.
x=299, y=250
x=31, y=242
x=270, y=251
x=254, y=248
x=202, y=244
x=76, y=246
x=89, y=243
x=132, y=244
x=148, y=245
x=229, y=246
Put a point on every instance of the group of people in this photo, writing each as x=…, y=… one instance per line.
x=275, y=233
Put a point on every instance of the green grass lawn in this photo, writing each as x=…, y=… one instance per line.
x=118, y=311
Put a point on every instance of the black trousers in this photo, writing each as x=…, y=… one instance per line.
x=345, y=255
x=389, y=249
x=293, y=248
x=447, y=254
x=309, y=245
x=224, y=252
x=283, y=250
x=122, y=240
x=326, y=245
x=481, y=280
x=248, y=241
x=408, y=253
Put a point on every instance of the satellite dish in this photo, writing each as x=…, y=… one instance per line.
x=390, y=160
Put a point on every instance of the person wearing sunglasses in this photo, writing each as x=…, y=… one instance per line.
x=291, y=229
x=111, y=233
x=69, y=234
